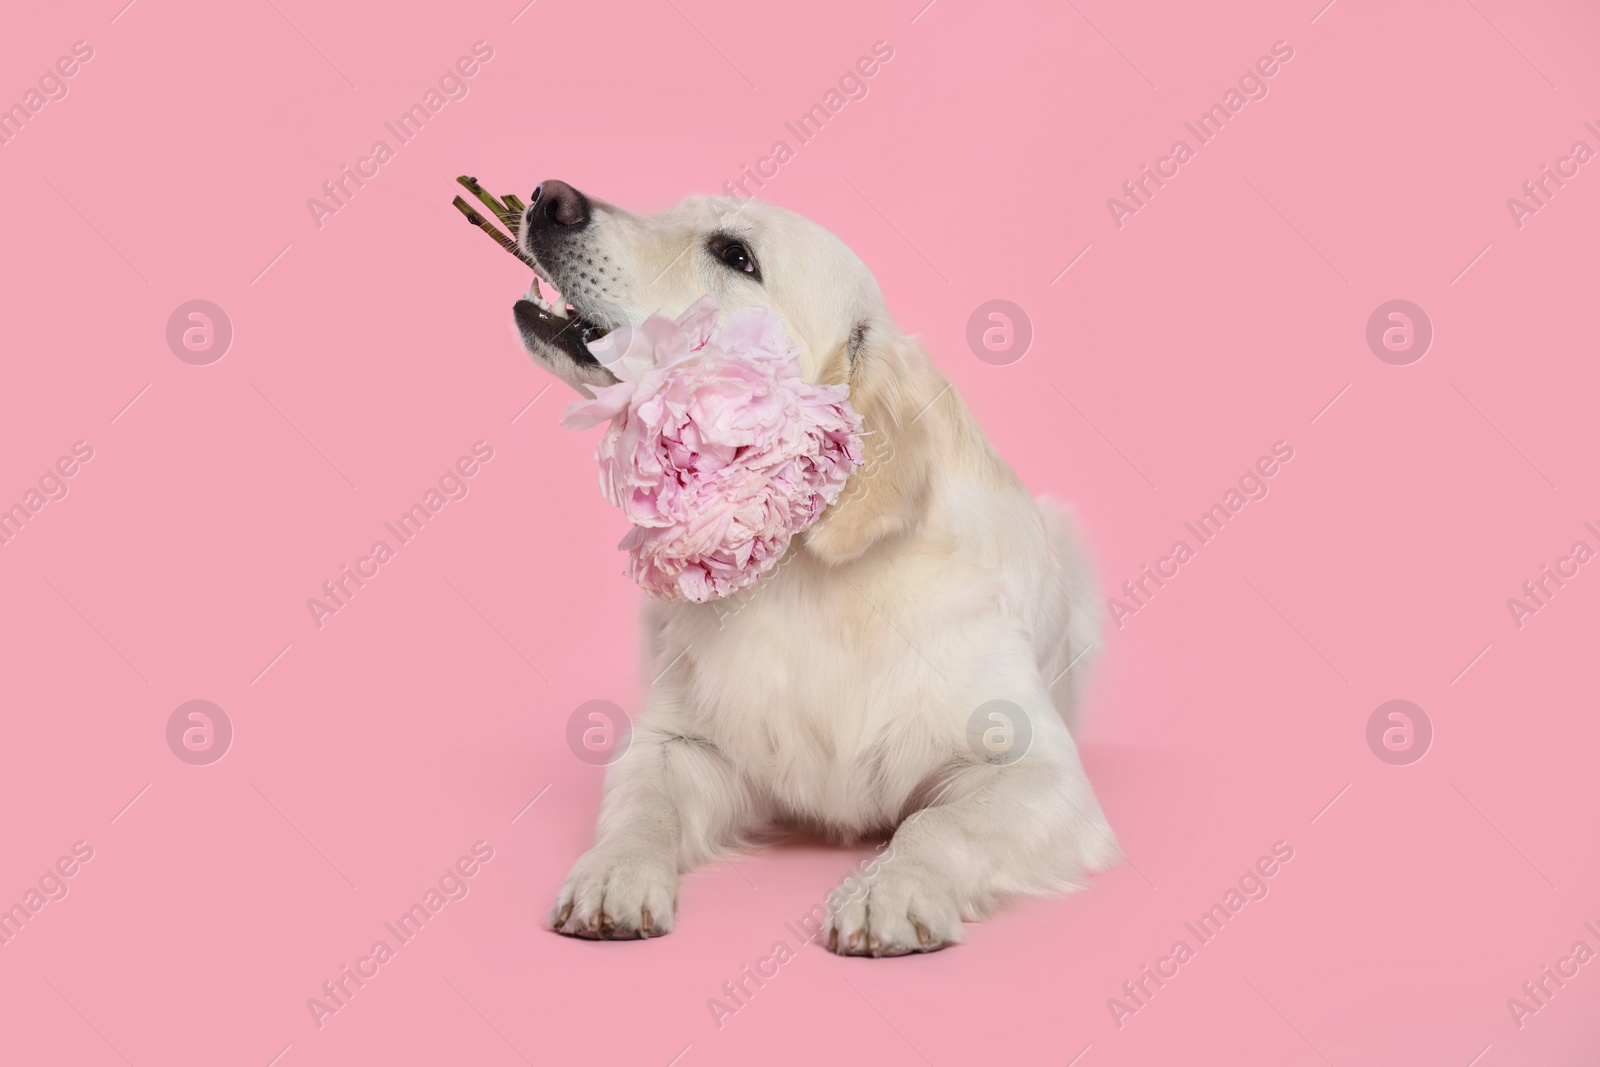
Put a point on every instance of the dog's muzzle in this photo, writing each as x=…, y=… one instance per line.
x=556, y=214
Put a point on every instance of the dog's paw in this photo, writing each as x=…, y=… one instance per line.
x=617, y=894
x=904, y=909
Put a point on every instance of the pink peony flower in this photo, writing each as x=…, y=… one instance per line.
x=718, y=451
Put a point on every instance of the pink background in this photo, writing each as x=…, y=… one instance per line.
x=370, y=353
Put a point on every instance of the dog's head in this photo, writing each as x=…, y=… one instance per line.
x=609, y=268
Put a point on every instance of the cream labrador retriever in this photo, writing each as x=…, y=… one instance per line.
x=914, y=665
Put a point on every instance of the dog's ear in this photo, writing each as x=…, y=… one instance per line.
x=892, y=387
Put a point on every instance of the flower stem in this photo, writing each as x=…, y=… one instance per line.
x=476, y=218
x=507, y=217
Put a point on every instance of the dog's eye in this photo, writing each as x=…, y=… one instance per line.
x=736, y=255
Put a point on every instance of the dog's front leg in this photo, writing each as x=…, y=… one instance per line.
x=671, y=802
x=1033, y=826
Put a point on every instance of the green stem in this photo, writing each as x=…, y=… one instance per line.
x=507, y=217
x=477, y=219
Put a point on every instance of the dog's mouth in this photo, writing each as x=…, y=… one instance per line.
x=545, y=316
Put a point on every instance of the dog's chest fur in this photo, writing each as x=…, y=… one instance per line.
x=835, y=693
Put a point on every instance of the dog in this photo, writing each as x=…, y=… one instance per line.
x=913, y=667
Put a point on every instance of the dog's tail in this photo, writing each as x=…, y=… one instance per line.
x=1067, y=666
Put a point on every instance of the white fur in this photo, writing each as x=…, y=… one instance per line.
x=836, y=694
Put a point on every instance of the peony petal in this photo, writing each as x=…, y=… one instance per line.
x=717, y=451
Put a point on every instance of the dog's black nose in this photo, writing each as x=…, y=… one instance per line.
x=555, y=203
